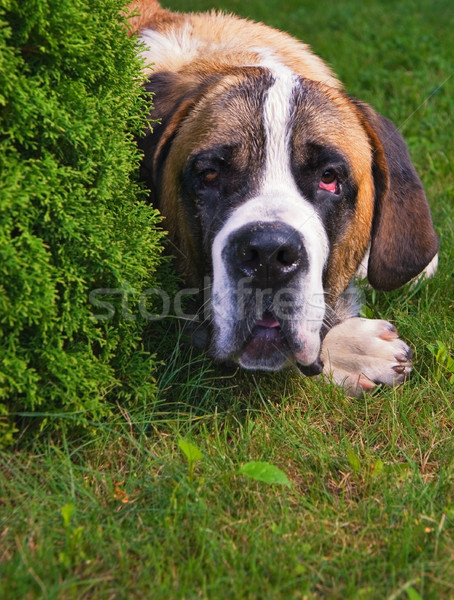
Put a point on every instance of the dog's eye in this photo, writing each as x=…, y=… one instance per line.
x=328, y=176
x=209, y=176
x=329, y=181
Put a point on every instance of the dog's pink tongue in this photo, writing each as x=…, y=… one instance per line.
x=268, y=321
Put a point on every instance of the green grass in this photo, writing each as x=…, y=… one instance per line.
x=370, y=511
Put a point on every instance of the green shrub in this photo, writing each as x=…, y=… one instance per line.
x=72, y=215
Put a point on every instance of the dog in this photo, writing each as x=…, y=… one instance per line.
x=278, y=187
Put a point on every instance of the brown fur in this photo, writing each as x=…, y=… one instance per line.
x=215, y=28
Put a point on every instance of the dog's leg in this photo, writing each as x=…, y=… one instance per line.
x=359, y=354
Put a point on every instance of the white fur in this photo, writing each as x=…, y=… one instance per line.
x=361, y=271
x=360, y=353
x=270, y=59
x=431, y=268
x=165, y=49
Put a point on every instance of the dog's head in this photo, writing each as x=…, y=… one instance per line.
x=276, y=186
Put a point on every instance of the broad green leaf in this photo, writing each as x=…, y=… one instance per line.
x=353, y=460
x=413, y=594
x=378, y=468
x=264, y=471
x=191, y=452
x=67, y=512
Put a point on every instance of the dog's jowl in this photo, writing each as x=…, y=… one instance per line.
x=276, y=187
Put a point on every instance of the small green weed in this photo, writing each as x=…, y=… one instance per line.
x=192, y=454
x=73, y=552
x=258, y=470
x=444, y=362
x=413, y=594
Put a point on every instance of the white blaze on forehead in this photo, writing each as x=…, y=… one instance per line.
x=276, y=119
x=279, y=199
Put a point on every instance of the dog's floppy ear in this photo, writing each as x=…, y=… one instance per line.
x=403, y=241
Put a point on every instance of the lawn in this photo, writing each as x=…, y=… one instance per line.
x=118, y=512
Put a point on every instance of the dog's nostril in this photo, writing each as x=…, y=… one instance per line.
x=287, y=256
x=248, y=255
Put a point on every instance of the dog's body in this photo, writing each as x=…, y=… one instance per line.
x=276, y=185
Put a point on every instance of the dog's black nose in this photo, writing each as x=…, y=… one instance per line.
x=270, y=253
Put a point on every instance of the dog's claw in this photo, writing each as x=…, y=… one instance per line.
x=366, y=383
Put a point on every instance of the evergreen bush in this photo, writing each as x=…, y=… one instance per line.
x=72, y=215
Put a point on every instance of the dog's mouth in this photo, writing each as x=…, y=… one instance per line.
x=269, y=347
x=268, y=321
x=267, y=343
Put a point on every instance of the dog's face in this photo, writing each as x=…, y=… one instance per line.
x=275, y=190
x=275, y=186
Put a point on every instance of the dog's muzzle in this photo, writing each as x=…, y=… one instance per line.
x=261, y=298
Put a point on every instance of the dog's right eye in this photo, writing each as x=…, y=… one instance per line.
x=209, y=177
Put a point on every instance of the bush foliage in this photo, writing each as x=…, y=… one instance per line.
x=72, y=213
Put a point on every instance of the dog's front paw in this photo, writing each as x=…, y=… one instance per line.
x=359, y=354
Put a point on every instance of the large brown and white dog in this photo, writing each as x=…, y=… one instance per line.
x=278, y=185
